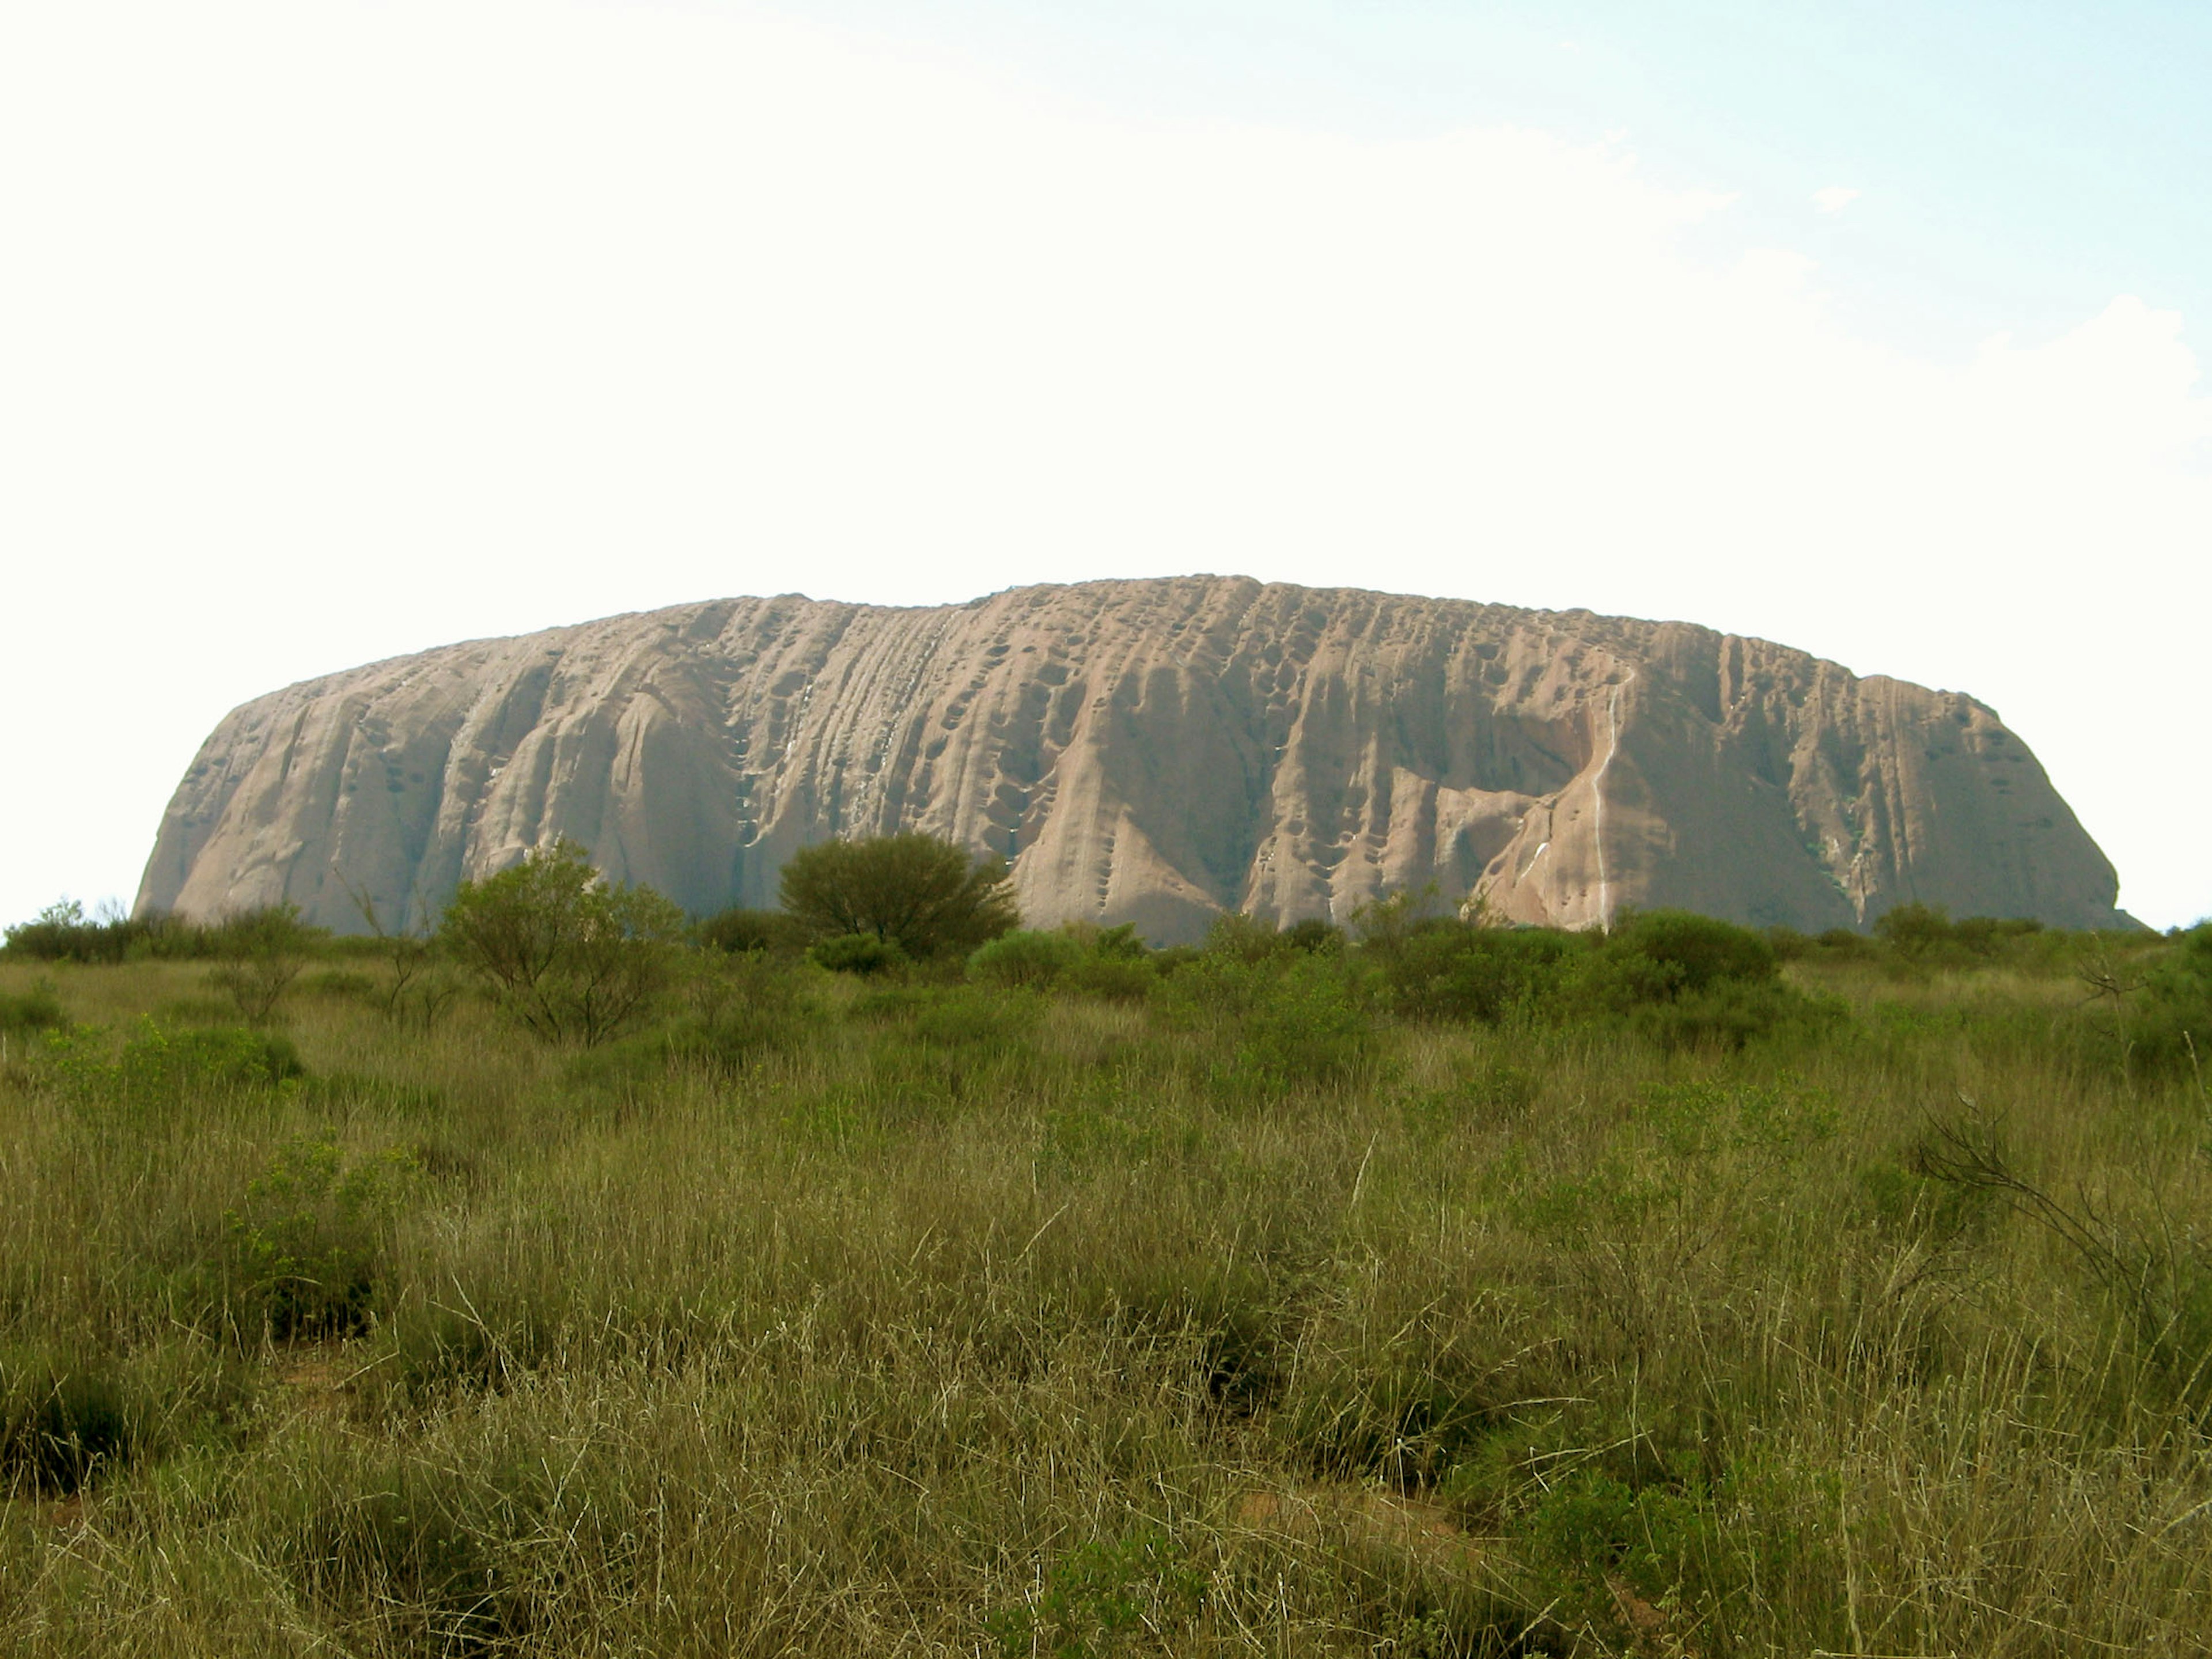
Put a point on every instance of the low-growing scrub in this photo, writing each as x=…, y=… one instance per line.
x=1421, y=1288
x=38, y=1009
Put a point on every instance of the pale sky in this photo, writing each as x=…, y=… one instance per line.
x=330, y=332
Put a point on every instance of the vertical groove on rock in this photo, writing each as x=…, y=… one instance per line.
x=1150, y=751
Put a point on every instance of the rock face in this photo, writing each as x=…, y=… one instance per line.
x=1146, y=751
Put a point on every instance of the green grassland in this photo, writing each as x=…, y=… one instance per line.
x=1279, y=1299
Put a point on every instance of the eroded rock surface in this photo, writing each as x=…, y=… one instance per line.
x=1148, y=751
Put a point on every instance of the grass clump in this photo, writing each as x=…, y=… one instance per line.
x=38, y=1009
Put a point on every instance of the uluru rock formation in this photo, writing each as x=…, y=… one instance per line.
x=1153, y=751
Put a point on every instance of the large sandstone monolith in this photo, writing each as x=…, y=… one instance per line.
x=1148, y=751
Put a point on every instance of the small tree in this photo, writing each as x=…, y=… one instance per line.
x=259, y=953
x=924, y=895
x=421, y=986
x=571, y=956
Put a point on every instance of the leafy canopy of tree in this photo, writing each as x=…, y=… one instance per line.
x=571, y=956
x=924, y=895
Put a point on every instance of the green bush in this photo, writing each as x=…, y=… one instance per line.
x=1111, y=963
x=1914, y=931
x=1315, y=936
x=1689, y=981
x=924, y=895
x=158, y=1063
x=1450, y=971
x=259, y=953
x=742, y=1007
x=162, y=1067
x=1304, y=1026
x=1788, y=945
x=948, y=1016
x=1991, y=936
x=1690, y=952
x=1099, y=1593
x=1245, y=939
x=742, y=932
x=2171, y=1024
x=1038, y=960
x=38, y=1009
x=858, y=953
x=61, y=933
x=570, y=956
x=1921, y=936
x=1113, y=978
x=303, y=1249
x=1735, y=1012
x=1210, y=989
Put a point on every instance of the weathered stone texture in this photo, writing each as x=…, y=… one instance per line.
x=1148, y=751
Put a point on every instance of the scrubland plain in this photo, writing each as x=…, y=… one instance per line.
x=1245, y=1302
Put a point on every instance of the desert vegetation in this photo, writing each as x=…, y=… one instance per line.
x=573, y=1279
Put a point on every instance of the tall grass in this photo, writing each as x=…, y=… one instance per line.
x=1233, y=1317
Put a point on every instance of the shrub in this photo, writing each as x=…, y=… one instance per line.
x=1692, y=953
x=259, y=952
x=1914, y=931
x=741, y=1006
x=160, y=1066
x=419, y=986
x=1246, y=939
x=1117, y=979
x=51, y=936
x=1099, y=1594
x=1788, y=945
x=1111, y=963
x=163, y=1062
x=1304, y=1027
x=1391, y=919
x=2172, y=1026
x=741, y=931
x=1314, y=936
x=303, y=1248
x=1989, y=936
x=1208, y=990
x=1116, y=943
x=1732, y=1013
x=856, y=953
x=924, y=895
x=1688, y=981
x=1034, y=959
x=1454, y=972
x=38, y=1009
x=62, y=933
x=570, y=956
